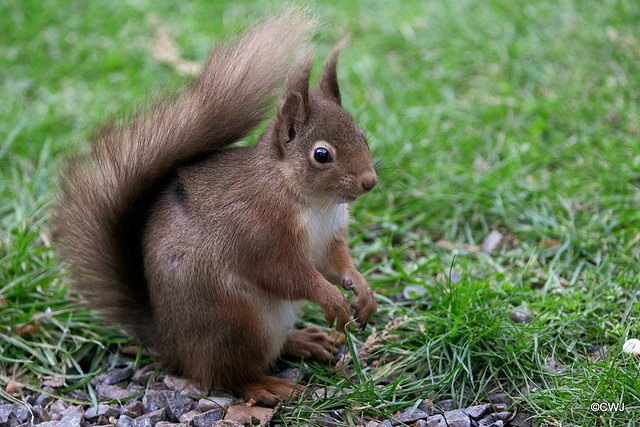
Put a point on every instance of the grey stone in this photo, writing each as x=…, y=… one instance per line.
x=445, y=405
x=213, y=402
x=21, y=412
x=187, y=417
x=227, y=423
x=385, y=423
x=42, y=400
x=410, y=416
x=292, y=374
x=101, y=421
x=117, y=375
x=41, y=415
x=157, y=386
x=98, y=379
x=436, y=421
x=168, y=424
x=110, y=392
x=372, y=424
x=457, y=418
x=142, y=375
x=94, y=412
x=5, y=411
x=175, y=384
x=206, y=419
x=421, y=423
x=521, y=315
x=156, y=399
x=523, y=420
x=504, y=416
x=58, y=407
x=556, y=365
x=477, y=411
x=497, y=398
x=48, y=424
x=117, y=361
x=77, y=395
x=195, y=390
x=73, y=416
x=413, y=291
x=325, y=393
x=491, y=241
x=134, y=409
x=152, y=417
x=178, y=406
x=490, y=422
x=134, y=388
x=126, y=421
x=454, y=276
x=499, y=407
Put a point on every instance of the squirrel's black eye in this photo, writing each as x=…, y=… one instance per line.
x=292, y=134
x=322, y=155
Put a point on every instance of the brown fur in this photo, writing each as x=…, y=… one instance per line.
x=200, y=251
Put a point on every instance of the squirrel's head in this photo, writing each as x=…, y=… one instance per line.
x=326, y=154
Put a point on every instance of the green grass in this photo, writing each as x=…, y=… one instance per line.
x=484, y=115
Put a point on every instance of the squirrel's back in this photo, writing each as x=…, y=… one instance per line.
x=100, y=213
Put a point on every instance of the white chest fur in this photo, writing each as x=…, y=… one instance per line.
x=322, y=225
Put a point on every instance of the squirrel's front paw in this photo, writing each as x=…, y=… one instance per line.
x=336, y=306
x=363, y=302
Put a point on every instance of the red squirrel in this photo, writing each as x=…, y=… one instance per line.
x=203, y=251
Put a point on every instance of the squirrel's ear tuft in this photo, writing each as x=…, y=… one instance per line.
x=298, y=81
x=328, y=80
x=293, y=110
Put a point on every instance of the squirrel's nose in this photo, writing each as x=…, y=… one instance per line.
x=369, y=181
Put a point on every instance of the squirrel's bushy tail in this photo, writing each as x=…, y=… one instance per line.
x=99, y=215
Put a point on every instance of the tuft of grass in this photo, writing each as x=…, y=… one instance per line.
x=481, y=115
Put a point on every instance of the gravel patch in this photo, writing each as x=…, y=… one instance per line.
x=129, y=397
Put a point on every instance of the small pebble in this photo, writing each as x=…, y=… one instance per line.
x=12, y=388
x=477, y=411
x=457, y=418
x=410, y=416
x=5, y=411
x=445, y=405
x=126, y=421
x=73, y=416
x=178, y=406
x=436, y=421
x=632, y=346
x=293, y=374
x=206, y=419
x=175, y=384
x=413, y=291
x=497, y=398
x=153, y=417
x=21, y=412
x=101, y=410
x=491, y=241
x=187, y=417
x=521, y=315
x=134, y=409
x=58, y=407
x=117, y=375
x=110, y=392
x=214, y=402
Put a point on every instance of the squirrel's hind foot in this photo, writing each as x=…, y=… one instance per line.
x=269, y=391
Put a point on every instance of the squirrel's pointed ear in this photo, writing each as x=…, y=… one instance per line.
x=294, y=106
x=328, y=80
